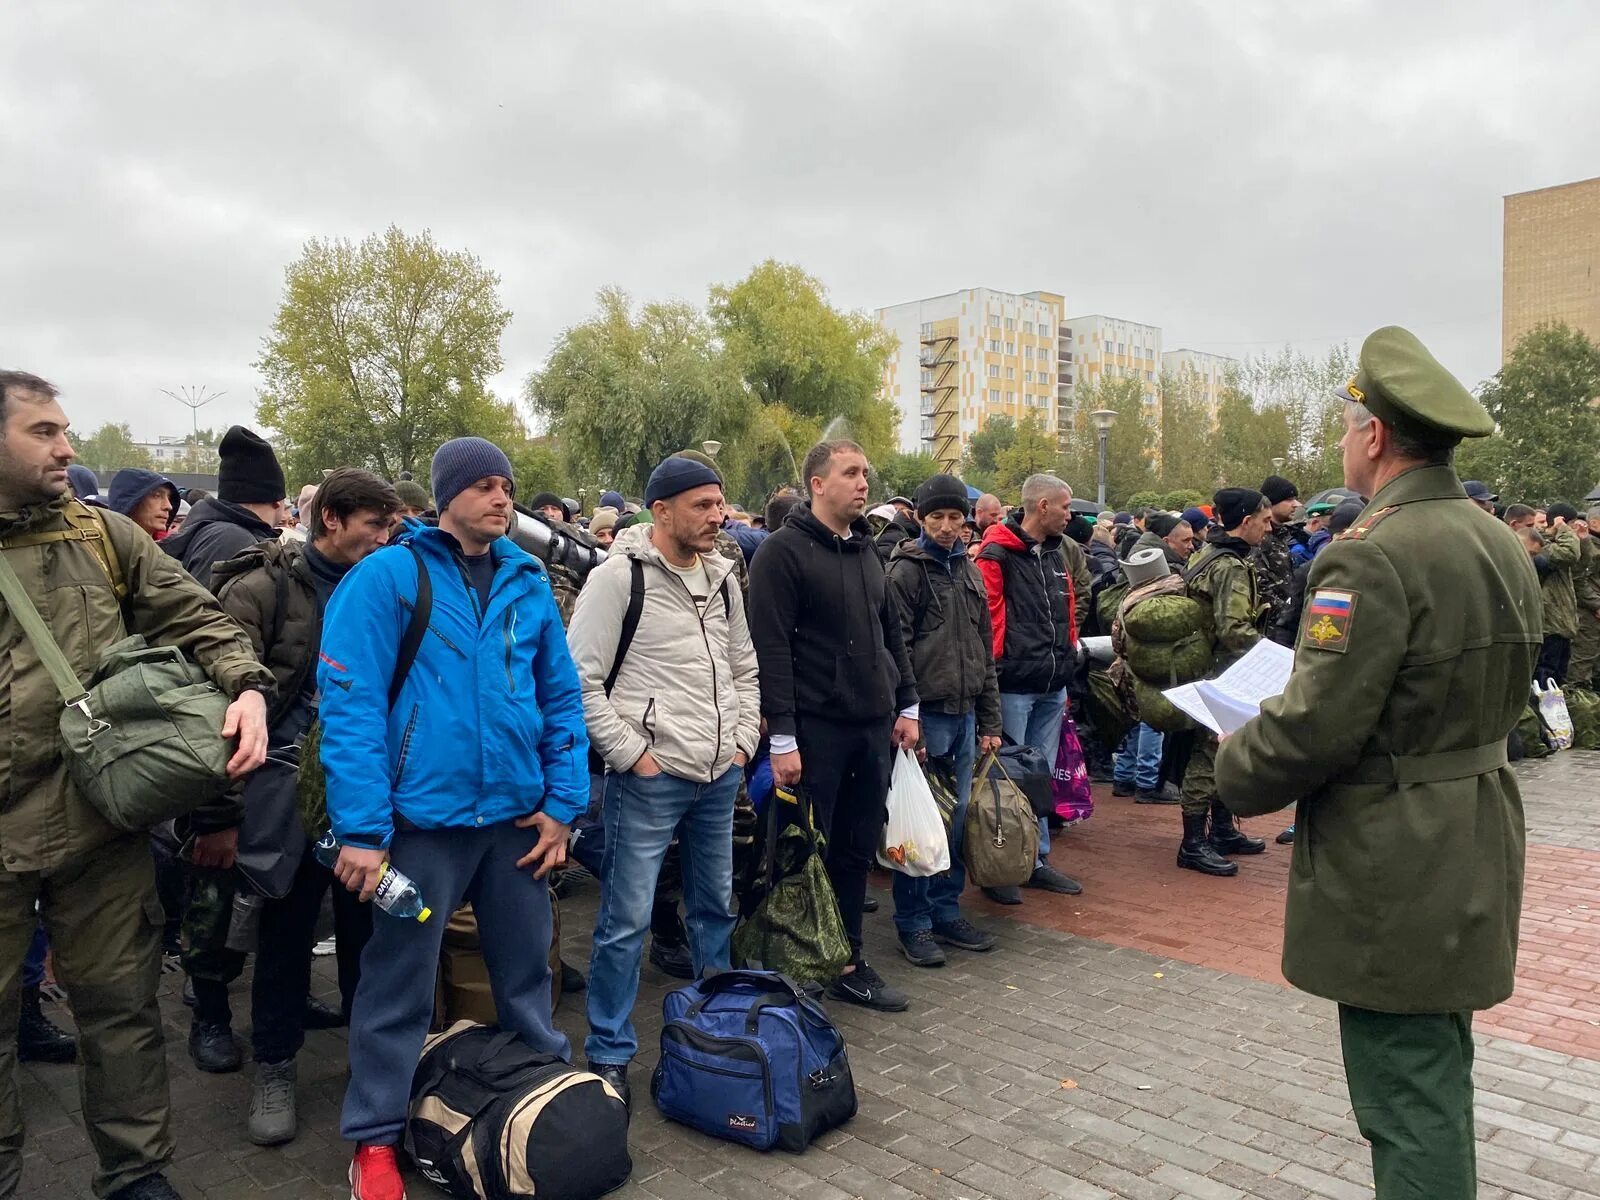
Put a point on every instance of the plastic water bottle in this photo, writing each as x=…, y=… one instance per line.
x=395, y=893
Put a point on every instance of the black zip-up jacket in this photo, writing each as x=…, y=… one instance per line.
x=828, y=642
x=944, y=620
x=1039, y=598
x=213, y=532
x=895, y=532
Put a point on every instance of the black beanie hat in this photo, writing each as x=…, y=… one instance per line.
x=1161, y=523
x=546, y=500
x=1233, y=505
x=939, y=492
x=1562, y=509
x=248, y=470
x=1345, y=515
x=1277, y=489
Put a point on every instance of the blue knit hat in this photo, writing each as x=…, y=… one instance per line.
x=612, y=500
x=677, y=474
x=461, y=462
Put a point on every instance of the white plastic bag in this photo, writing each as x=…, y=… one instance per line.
x=1553, y=708
x=914, y=838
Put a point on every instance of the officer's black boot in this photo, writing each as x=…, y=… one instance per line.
x=1225, y=835
x=1197, y=853
x=39, y=1039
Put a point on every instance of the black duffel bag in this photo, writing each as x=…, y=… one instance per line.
x=1031, y=772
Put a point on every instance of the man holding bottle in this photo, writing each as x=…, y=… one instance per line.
x=466, y=781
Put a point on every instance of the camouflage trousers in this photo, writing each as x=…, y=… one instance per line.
x=1200, y=776
x=104, y=922
x=1585, y=651
x=207, y=911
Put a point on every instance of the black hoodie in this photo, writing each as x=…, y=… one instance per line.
x=213, y=532
x=827, y=638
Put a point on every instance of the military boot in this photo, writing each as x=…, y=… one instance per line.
x=272, y=1106
x=1198, y=854
x=39, y=1039
x=1226, y=836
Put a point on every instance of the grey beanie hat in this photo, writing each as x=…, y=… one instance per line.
x=461, y=462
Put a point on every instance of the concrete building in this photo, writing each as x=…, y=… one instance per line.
x=966, y=357
x=1210, y=372
x=1112, y=348
x=168, y=454
x=1551, y=265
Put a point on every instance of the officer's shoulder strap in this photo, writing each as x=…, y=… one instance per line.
x=1366, y=525
x=84, y=524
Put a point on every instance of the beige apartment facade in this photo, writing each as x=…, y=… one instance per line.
x=1551, y=261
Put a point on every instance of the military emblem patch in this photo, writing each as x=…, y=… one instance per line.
x=1329, y=613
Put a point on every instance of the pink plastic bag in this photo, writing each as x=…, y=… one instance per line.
x=1070, y=785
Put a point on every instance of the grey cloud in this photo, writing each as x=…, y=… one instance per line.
x=1240, y=173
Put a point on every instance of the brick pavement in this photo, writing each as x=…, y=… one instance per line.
x=1069, y=1063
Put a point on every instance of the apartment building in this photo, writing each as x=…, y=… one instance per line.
x=1113, y=348
x=966, y=357
x=1210, y=372
x=1550, y=269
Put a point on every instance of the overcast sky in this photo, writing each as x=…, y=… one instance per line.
x=1241, y=173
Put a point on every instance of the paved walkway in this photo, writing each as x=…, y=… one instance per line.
x=1136, y=1041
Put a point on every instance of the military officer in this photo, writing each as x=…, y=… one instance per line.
x=1418, y=642
x=1222, y=578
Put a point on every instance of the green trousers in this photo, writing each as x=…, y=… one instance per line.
x=104, y=922
x=1410, y=1078
x=1200, y=775
x=1585, y=651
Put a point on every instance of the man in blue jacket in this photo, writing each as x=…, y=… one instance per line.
x=466, y=783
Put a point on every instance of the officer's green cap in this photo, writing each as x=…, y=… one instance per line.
x=1405, y=386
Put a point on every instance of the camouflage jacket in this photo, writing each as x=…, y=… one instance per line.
x=1274, y=569
x=1223, y=579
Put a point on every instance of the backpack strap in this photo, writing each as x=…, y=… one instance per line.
x=630, y=619
x=416, y=628
x=44, y=643
x=84, y=524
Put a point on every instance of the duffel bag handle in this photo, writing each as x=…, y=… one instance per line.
x=727, y=981
x=752, y=1022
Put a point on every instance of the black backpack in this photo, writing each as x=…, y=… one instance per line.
x=493, y=1119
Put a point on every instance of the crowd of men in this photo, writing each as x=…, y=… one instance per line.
x=448, y=687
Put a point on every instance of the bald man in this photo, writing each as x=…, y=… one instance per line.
x=989, y=511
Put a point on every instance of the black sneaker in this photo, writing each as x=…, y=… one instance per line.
x=1165, y=794
x=673, y=960
x=322, y=1016
x=866, y=987
x=870, y=904
x=1120, y=788
x=151, y=1187
x=920, y=949
x=616, y=1074
x=1047, y=879
x=1004, y=895
x=1286, y=838
x=214, y=1048
x=572, y=979
x=964, y=935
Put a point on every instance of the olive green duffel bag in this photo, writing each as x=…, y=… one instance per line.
x=143, y=742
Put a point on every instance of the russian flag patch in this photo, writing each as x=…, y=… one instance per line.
x=1328, y=616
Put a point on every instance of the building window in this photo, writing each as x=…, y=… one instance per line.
x=1027, y=327
x=994, y=345
x=1149, y=376
x=1011, y=372
x=1027, y=352
x=1011, y=397
x=994, y=370
x=994, y=395
x=994, y=320
x=1011, y=323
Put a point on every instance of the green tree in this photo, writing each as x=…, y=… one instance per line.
x=380, y=352
x=984, y=447
x=110, y=448
x=798, y=353
x=1543, y=400
x=1130, y=445
x=540, y=466
x=902, y=474
x=625, y=389
x=1248, y=439
x=1188, y=436
x=1032, y=450
x=1302, y=388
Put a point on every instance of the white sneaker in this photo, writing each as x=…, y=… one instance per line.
x=323, y=948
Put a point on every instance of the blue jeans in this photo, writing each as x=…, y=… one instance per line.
x=641, y=816
x=1035, y=720
x=394, y=1000
x=33, y=965
x=925, y=901
x=1139, y=760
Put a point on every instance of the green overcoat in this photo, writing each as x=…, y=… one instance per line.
x=1421, y=628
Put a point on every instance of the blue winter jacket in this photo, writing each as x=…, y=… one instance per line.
x=489, y=724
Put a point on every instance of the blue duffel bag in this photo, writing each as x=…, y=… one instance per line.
x=747, y=1056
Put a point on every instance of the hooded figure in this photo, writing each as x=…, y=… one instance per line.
x=84, y=484
x=138, y=495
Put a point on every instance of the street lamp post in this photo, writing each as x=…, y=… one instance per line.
x=1102, y=419
x=1277, y=465
x=711, y=448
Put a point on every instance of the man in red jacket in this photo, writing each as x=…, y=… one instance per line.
x=1038, y=584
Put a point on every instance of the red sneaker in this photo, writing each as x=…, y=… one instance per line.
x=375, y=1175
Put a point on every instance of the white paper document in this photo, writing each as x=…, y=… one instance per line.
x=1225, y=703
